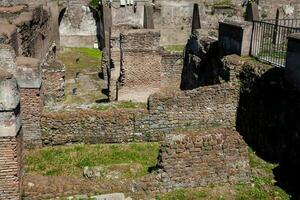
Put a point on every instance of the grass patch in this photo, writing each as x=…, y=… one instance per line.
x=182, y=194
x=262, y=183
x=119, y=105
x=70, y=161
x=80, y=60
x=175, y=48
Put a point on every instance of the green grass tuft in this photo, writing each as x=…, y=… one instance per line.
x=120, y=105
x=175, y=48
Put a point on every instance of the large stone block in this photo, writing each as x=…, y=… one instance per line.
x=9, y=93
x=28, y=72
x=235, y=37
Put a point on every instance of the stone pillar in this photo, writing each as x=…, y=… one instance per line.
x=292, y=72
x=148, y=17
x=235, y=37
x=196, y=18
x=252, y=13
x=11, y=145
x=28, y=74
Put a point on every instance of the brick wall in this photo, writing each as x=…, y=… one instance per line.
x=31, y=110
x=208, y=106
x=142, y=69
x=203, y=158
x=11, y=167
x=141, y=58
x=171, y=69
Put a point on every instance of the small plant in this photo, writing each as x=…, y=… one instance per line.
x=175, y=48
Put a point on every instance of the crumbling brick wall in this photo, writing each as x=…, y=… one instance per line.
x=210, y=106
x=203, y=158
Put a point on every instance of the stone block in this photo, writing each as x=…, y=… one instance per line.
x=148, y=17
x=28, y=72
x=292, y=72
x=10, y=123
x=235, y=37
x=9, y=92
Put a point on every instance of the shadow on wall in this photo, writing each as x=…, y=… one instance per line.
x=99, y=25
x=268, y=118
x=202, y=64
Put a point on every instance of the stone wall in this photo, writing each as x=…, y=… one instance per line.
x=35, y=32
x=267, y=118
x=203, y=158
x=204, y=107
x=11, y=138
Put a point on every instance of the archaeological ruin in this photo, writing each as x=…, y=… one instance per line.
x=149, y=99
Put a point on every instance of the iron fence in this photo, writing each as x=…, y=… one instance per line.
x=269, y=39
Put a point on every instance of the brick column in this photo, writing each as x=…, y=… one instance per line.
x=28, y=74
x=11, y=145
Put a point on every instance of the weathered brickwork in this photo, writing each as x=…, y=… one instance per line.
x=31, y=109
x=141, y=58
x=171, y=69
x=203, y=158
x=53, y=83
x=142, y=69
x=203, y=107
x=11, y=166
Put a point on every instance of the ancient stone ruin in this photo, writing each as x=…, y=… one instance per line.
x=206, y=80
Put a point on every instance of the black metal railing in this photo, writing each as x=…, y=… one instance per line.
x=269, y=39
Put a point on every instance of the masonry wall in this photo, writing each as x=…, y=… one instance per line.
x=171, y=69
x=203, y=158
x=141, y=58
x=53, y=84
x=11, y=166
x=31, y=109
x=201, y=108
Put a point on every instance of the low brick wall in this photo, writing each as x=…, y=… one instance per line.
x=98, y=127
x=203, y=158
x=169, y=111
